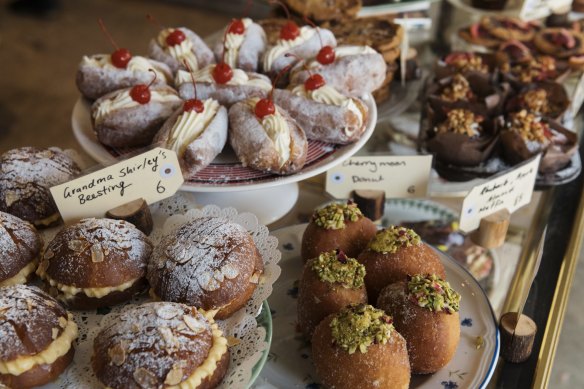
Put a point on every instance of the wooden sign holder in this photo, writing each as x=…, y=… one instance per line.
x=136, y=212
x=492, y=230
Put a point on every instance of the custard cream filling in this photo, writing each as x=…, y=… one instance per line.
x=137, y=63
x=21, y=276
x=56, y=349
x=277, y=129
x=48, y=220
x=190, y=125
x=181, y=52
x=344, y=51
x=124, y=100
x=240, y=77
x=328, y=95
x=218, y=349
x=282, y=46
x=232, y=44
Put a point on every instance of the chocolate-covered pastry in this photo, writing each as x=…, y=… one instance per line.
x=243, y=44
x=531, y=69
x=526, y=135
x=36, y=337
x=546, y=98
x=174, y=46
x=425, y=312
x=197, y=132
x=239, y=86
x=209, y=263
x=329, y=283
x=266, y=139
x=26, y=174
x=160, y=345
x=96, y=263
x=465, y=63
x=131, y=117
x=21, y=246
x=559, y=42
x=461, y=137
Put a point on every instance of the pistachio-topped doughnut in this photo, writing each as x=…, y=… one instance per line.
x=96, y=263
x=358, y=347
x=21, y=246
x=26, y=174
x=425, y=311
x=36, y=337
x=329, y=283
x=210, y=263
x=394, y=254
x=160, y=345
x=337, y=226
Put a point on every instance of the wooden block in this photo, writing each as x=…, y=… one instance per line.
x=516, y=337
x=136, y=212
x=492, y=230
x=370, y=202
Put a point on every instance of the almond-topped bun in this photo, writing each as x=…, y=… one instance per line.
x=425, y=311
x=174, y=46
x=337, y=226
x=160, y=345
x=274, y=143
x=328, y=283
x=244, y=44
x=358, y=347
x=26, y=175
x=241, y=86
x=324, y=113
x=96, y=263
x=354, y=71
x=36, y=337
x=394, y=254
x=209, y=263
x=97, y=75
x=196, y=137
x=126, y=118
x=21, y=245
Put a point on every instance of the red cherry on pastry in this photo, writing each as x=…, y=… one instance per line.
x=264, y=107
x=326, y=55
x=121, y=57
x=314, y=82
x=222, y=73
x=193, y=105
x=175, y=38
x=289, y=31
x=140, y=94
x=236, y=27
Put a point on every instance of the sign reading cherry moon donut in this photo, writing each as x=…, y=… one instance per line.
x=152, y=176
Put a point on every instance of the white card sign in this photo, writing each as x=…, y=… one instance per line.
x=510, y=191
x=153, y=176
x=538, y=9
x=398, y=176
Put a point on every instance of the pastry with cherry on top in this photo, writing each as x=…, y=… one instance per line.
x=174, y=46
x=243, y=45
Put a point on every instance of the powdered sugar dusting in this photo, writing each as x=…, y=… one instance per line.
x=20, y=244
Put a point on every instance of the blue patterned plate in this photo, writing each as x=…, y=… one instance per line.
x=289, y=363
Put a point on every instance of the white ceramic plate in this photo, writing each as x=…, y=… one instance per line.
x=289, y=363
x=226, y=173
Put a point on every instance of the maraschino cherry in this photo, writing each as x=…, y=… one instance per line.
x=290, y=30
x=265, y=107
x=120, y=57
x=176, y=37
x=222, y=72
x=193, y=104
x=141, y=93
x=326, y=55
x=314, y=81
x=237, y=27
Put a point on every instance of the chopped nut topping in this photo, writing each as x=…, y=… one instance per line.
x=96, y=253
x=195, y=325
x=466, y=62
x=334, y=216
x=174, y=376
x=335, y=266
x=167, y=312
x=537, y=69
x=536, y=101
x=78, y=245
x=392, y=238
x=529, y=127
x=170, y=341
x=145, y=378
x=433, y=293
x=458, y=89
x=117, y=354
x=461, y=121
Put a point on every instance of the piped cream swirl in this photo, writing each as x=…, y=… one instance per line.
x=282, y=46
x=277, y=129
x=190, y=125
x=240, y=77
x=137, y=63
x=344, y=51
x=232, y=44
x=181, y=52
x=124, y=100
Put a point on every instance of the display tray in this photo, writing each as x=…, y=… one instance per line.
x=226, y=173
x=289, y=363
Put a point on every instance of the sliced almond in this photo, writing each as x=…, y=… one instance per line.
x=229, y=271
x=255, y=278
x=174, y=376
x=168, y=337
x=167, y=312
x=145, y=378
x=29, y=305
x=117, y=354
x=195, y=325
x=96, y=253
x=77, y=245
x=10, y=198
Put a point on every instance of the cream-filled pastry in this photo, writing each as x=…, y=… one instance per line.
x=175, y=46
x=265, y=137
x=36, y=337
x=95, y=263
x=225, y=84
x=243, y=44
x=131, y=117
x=351, y=70
x=197, y=132
x=323, y=112
x=21, y=246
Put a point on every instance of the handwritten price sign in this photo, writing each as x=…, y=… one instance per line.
x=153, y=176
x=511, y=190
